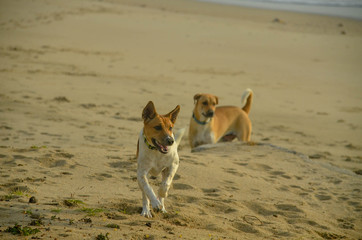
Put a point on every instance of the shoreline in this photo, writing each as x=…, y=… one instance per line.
x=353, y=13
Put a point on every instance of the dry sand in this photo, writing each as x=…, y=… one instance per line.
x=75, y=76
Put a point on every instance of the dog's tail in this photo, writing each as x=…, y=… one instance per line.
x=179, y=134
x=247, y=99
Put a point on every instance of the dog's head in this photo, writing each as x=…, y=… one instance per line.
x=158, y=128
x=206, y=104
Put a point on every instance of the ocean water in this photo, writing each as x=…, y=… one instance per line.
x=339, y=8
x=343, y=3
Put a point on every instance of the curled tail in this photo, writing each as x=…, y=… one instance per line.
x=179, y=134
x=246, y=100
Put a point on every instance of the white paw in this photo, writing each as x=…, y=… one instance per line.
x=156, y=204
x=163, y=210
x=146, y=213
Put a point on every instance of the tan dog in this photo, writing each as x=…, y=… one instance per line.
x=157, y=153
x=211, y=124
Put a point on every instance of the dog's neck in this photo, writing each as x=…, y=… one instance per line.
x=150, y=146
x=199, y=121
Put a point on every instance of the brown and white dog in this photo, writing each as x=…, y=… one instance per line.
x=211, y=124
x=157, y=153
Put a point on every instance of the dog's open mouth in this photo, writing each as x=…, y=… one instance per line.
x=208, y=114
x=162, y=148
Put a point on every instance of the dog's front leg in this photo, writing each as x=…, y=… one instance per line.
x=146, y=211
x=148, y=194
x=167, y=177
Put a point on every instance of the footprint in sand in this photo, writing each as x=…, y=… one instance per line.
x=280, y=173
x=58, y=158
x=129, y=207
x=357, y=205
x=230, y=186
x=323, y=197
x=100, y=176
x=88, y=105
x=122, y=164
x=233, y=172
x=288, y=207
x=296, y=221
x=20, y=157
x=211, y=192
x=60, y=153
x=180, y=199
x=191, y=159
x=247, y=228
x=182, y=186
x=218, y=206
x=61, y=99
x=286, y=210
x=346, y=223
x=259, y=166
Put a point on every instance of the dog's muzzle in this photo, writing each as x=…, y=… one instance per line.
x=164, y=146
x=209, y=114
x=169, y=140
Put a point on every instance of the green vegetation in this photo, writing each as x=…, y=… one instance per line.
x=7, y=197
x=17, y=192
x=37, y=147
x=73, y=202
x=113, y=225
x=24, y=231
x=28, y=212
x=102, y=237
x=58, y=210
x=37, y=222
x=92, y=211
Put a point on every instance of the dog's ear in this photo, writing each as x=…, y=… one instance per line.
x=173, y=114
x=217, y=100
x=149, y=112
x=197, y=97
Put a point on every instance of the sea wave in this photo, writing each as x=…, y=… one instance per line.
x=334, y=3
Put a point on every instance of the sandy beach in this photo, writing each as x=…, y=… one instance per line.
x=75, y=76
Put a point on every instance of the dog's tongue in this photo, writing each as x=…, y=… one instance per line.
x=164, y=148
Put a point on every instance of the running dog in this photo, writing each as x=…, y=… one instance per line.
x=157, y=153
x=211, y=124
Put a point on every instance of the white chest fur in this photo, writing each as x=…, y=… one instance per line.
x=153, y=161
x=203, y=136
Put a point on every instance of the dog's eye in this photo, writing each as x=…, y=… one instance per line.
x=204, y=103
x=170, y=128
x=158, y=128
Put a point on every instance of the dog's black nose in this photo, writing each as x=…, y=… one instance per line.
x=210, y=114
x=169, y=140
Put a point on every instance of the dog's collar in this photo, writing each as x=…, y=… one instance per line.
x=198, y=121
x=148, y=144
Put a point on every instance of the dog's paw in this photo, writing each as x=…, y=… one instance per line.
x=157, y=205
x=146, y=213
x=163, y=210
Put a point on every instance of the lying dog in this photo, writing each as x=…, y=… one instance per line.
x=211, y=124
x=157, y=153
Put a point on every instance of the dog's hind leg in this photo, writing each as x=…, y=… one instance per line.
x=244, y=134
x=162, y=200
